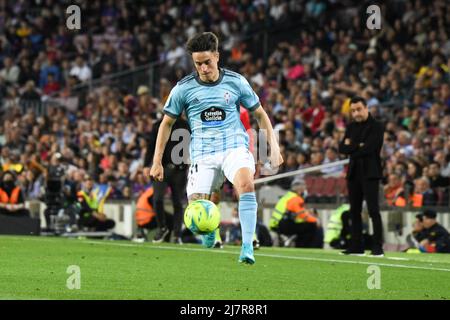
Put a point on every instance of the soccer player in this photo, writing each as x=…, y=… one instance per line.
x=211, y=98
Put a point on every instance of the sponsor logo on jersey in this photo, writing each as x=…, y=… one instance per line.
x=212, y=116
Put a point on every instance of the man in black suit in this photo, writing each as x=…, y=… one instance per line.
x=363, y=142
x=175, y=177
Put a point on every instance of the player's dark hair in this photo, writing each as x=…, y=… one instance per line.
x=206, y=41
x=357, y=99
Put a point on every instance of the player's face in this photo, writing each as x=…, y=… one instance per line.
x=206, y=65
x=359, y=112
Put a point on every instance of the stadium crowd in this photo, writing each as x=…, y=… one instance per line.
x=317, y=60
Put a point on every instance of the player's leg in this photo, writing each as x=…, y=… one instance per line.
x=239, y=167
x=204, y=179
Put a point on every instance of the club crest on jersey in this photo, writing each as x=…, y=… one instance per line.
x=227, y=97
x=212, y=116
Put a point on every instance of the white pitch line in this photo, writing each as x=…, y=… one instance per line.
x=398, y=258
x=275, y=256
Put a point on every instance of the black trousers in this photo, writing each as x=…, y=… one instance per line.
x=90, y=221
x=306, y=232
x=360, y=189
x=174, y=178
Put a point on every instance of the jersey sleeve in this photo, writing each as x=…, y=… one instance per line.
x=249, y=99
x=175, y=103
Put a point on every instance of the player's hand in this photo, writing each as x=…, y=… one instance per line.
x=347, y=142
x=157, y=172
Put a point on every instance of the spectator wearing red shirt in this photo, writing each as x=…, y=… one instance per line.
x=52, y=85
x=314, y=114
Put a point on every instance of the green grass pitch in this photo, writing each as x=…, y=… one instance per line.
x=36, y=268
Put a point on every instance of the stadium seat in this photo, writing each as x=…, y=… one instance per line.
x=330, y=191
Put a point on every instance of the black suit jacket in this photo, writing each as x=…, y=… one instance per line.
x=180, y=123
x=371, y=134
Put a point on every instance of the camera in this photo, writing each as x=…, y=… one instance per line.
x=55, y=214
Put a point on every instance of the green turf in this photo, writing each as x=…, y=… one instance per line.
x=35, y=268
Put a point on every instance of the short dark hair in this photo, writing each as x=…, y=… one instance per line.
x=206, y=41
x=430, y=214
x=419, y=217
x=357, y=99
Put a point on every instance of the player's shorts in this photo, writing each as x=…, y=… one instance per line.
x=207, y=174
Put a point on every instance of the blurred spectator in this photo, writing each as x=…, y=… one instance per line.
x=394, y=192
x=337, y=234
x=423, y=195
x=332, y=155
x=32, y=187
x=30, y=94
x=92, y=207
x=146, y=104
x=291, y=218
x=10, y=72
x=437, y=238
x=81, y=70
x=51, y=85
x=417, y=235
x=49, y=68
x=145, y=215
x=12, y=199
x=435, y=177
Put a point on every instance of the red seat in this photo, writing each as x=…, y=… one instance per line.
x=330, y=185
x=341, y=186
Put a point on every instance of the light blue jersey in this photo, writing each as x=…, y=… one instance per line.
x=212, y=110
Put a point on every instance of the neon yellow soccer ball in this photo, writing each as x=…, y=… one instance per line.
x=202, y=217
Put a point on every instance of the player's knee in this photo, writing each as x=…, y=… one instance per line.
x=245, y=187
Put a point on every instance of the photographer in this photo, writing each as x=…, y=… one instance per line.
x=91, y=210
x=54, y=197
x=291, y=217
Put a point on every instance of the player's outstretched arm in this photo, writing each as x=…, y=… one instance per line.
x=157, y=170
x=264, y=123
